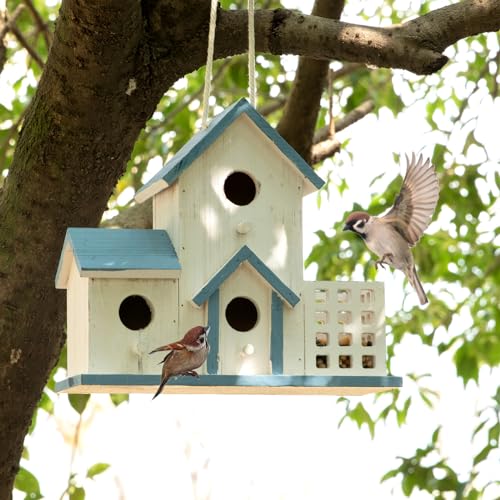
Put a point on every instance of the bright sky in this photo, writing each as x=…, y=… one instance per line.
x=253, y=447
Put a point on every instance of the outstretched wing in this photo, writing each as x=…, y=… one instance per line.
x=417, y=200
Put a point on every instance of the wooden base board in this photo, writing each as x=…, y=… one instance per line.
x=230, y=384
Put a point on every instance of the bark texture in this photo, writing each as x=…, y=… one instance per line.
x=84, y=119
x=303, y=104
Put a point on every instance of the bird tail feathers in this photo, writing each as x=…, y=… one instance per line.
x=417, y=285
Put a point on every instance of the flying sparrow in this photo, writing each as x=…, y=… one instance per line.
x=185, y=355
x=391, y=236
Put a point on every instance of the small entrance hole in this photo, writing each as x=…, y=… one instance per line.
x=321, y=339
x=321, y=361
x=241, y=314
x=135, y=312
x=240, y=188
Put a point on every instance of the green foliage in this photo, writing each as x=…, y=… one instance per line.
x=460, y=256
x=27, y=483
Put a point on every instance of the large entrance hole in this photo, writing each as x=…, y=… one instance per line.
x=242, y=314
x=240, y=188
x=135, y=312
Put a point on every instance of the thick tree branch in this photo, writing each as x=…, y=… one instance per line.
x=416, y=45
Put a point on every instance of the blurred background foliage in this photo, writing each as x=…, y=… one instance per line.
x=460, y=255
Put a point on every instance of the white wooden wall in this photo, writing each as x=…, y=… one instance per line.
x=78, y=322
x=113, y=347
x=233, y=359
x=206, y=235
x=347, y=320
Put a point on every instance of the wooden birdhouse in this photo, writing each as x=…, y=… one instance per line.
x=226, y=250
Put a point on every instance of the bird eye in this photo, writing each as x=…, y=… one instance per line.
x=361, y=223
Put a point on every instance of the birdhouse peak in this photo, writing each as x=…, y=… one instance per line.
x=200, y=142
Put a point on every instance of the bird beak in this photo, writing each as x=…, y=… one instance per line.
x=346, y=228
x=207, y=330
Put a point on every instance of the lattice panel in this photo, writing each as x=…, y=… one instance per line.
x=344, y=328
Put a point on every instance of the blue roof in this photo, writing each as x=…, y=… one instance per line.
x=96, y=249
x=206, y=137
x=245, y=254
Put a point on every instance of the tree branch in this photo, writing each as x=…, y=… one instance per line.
x=416, y=45
x=323, y=150
x=303, y=103
x=346, y=121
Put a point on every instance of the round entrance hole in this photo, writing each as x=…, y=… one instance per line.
x=240, y=188
x=135, y=312
x=241, y=314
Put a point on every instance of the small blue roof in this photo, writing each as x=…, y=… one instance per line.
x=97, y=251
x=242, y=255
x=206, y=137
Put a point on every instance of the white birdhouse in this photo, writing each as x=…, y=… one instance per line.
x=226, y=250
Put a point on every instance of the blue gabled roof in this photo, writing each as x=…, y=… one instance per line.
x=245, y=254
x=206, y=137
x=102, y=250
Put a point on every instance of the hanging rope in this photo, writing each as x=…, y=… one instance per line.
x=210, y=59
x=251, y=52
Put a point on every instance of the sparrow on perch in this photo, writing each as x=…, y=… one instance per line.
x=185, y=355
x=391, y=236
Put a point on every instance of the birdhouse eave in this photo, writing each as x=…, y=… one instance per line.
x=122, y=253
x=245, y=254
x=200, y=142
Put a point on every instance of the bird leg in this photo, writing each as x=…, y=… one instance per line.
x=382, y=261
x=192, y=373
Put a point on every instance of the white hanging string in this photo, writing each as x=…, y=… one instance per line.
x=210, y=59
x=251, y=52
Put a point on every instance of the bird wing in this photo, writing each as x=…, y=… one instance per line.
x=174, y=346
x=417, y=200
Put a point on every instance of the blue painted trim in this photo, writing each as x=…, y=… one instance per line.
x=242, y=255
x=231, y=380
x=205, y=138
x=97, y=249
x=213, y=321
x=276, y=334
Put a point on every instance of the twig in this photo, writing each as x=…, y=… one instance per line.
x=10, y=19
x=32, y=52
x=342, y=123
x=40, y=23
x=272, y=106
x=323, y=150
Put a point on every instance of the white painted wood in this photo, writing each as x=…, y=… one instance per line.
x=116, y=349
x=349, y=313
x=151, y=190
x=77, y=321
x=245, y=282
x=249, y=390
x=166, y=213
x=208, y=221
x=64, y=267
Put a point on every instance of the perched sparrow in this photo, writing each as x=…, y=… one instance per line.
x=391, y=236
x=185, y=355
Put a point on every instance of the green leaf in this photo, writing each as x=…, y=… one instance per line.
x=25, y=481
x=79, y=401
x=118, y=399
x=361, y=416
x=76, y=493
x=96, y=469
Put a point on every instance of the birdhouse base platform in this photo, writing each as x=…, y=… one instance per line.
x=230, y=384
